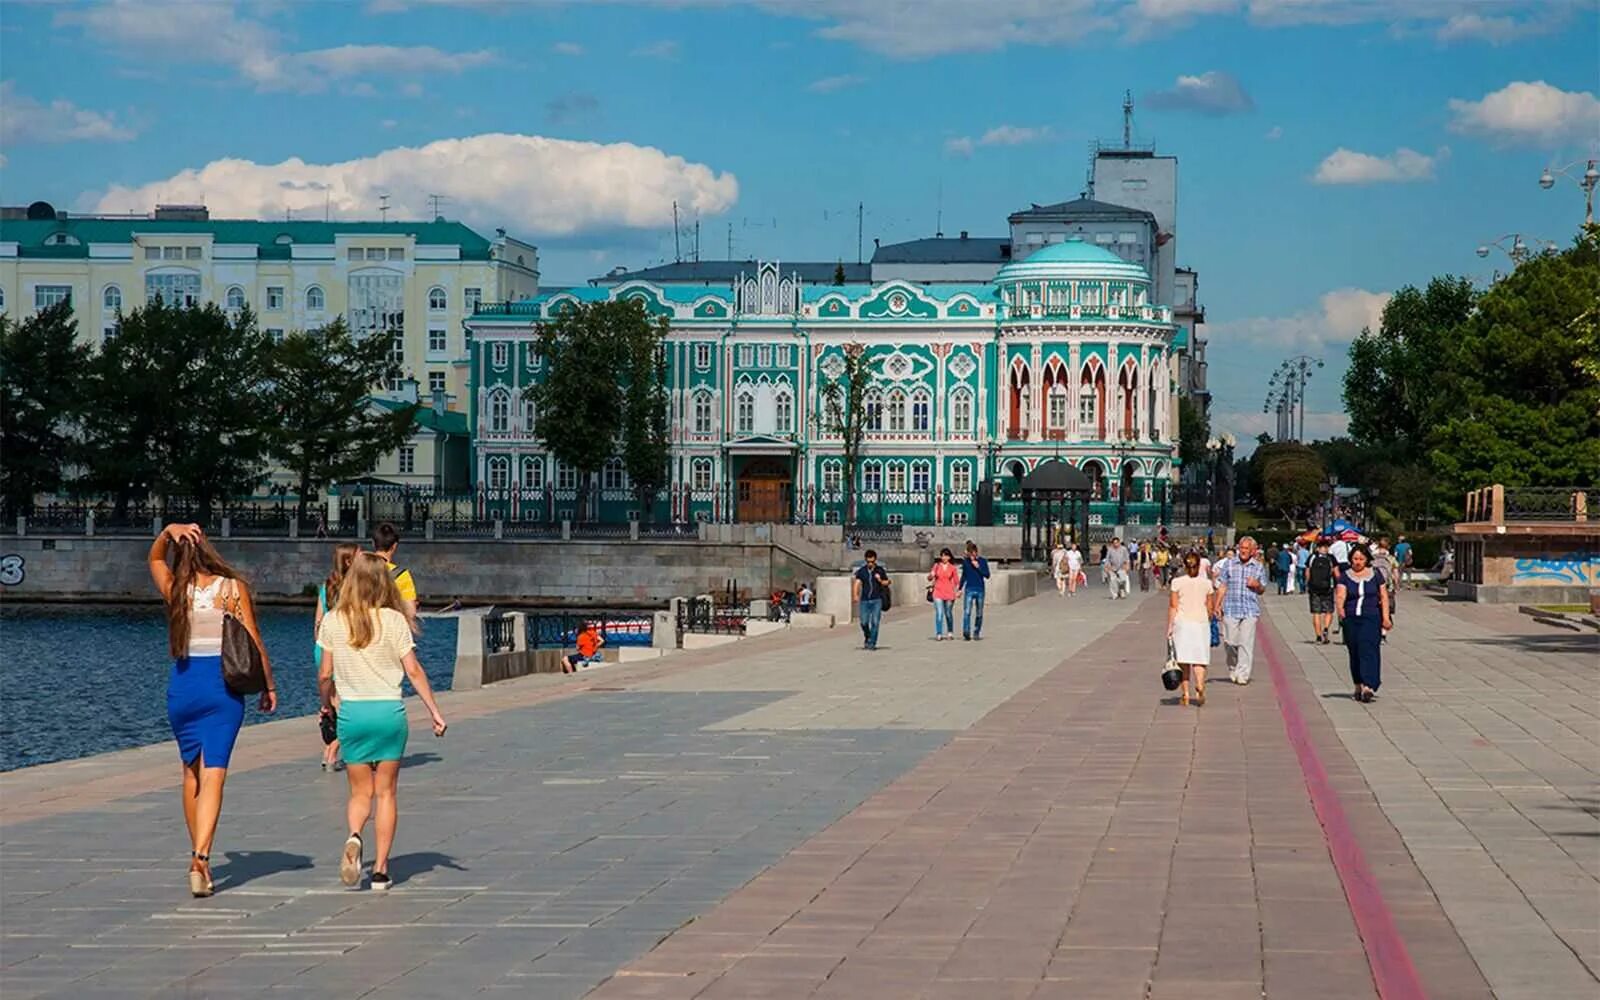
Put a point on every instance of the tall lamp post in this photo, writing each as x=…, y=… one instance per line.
x=1286, y=391
x=1519, y=250
x=1588, y=180
x=1213, y=448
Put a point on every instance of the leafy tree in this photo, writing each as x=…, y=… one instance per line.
x=42, y=369
x=179, y=405
x=325, y=427
x=1194, y=427
x=1396, y=379
x=844, y=406
x=838, y=273
x=646, y=441
x=1291, y=481
x=580, y=401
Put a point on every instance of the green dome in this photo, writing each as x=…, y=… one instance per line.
x=1073, y=260
x=1073, y=251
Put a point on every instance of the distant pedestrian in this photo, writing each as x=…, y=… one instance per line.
x=1115, y=566
x=1058, y=567
x=1302, y=556
x=805, y=598
x=1189, y=613
x=1385, y=563
x=200, y=590
x=327, y=596
x=1160, y=558
x=322, y=524
x=385, y=542
x=1402, y=558
x=1340, y=550
x=867, y=589
x=974, y=585
x=1321, y=580
x=367, y=649
x=588, y=642
x=1145, y=566
x=945, y=581
x=1241, y=580
x=1285, y=566
x=1075, y=574
x=1362, y=600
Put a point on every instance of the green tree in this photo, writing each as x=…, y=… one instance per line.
x=1396, y=379
x=1194, y=427
x=1291, y=477
x=838, y=273
x=325, y=427
x=844, y=411
x=42, y=370
x=580, y=401
x=646, y=438
x=178, y=405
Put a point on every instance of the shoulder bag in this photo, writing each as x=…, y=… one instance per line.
x=244, y=669
x=1171, y=673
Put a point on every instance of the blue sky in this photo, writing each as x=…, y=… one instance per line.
x=1330, y=150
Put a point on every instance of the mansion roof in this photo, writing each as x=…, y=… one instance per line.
x=273, y=240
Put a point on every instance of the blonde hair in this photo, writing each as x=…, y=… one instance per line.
x=343, y=554
x=366, y=589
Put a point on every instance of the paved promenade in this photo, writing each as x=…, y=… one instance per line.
x=1029, y=816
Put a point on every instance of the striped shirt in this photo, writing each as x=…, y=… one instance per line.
x=1240, y=601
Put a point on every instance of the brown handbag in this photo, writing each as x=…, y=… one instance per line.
x=244, y=668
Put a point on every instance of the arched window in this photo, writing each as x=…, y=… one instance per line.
x=832, y=476
x=499, y=473
x=744, y=412
x=1057, y=413
x=921, y=409
x=316, y=300
x=499, y=412
x=530, y=416
x=921, y=477
x=437, y=300
x=783, y=405
x=1021, y=401
x=961, y=412
x=897, y=410
x=111, y=298
x=532, y=473
x=897, y=477
x=700, y=474
x=1097, y=480
x=702, y=413
x=613, y=475
x=872, y=476
x=961, y=477
x=1091, y=403
x=872, y=406
x=234, y=299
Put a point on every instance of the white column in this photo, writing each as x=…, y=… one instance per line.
x=1074, y=377
x=1036, y=392
x=1141, y=405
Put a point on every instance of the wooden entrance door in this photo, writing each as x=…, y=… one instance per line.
x=765, y=492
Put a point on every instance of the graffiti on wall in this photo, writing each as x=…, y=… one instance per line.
x=11, y=570
x=1579, y=568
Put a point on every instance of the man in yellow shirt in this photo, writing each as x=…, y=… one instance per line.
x=385, y=540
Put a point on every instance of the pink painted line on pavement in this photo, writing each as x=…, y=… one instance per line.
x=1392, y=970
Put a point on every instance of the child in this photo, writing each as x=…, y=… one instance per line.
x=589, y=642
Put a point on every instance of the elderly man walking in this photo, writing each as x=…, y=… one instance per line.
x=1115, y=566
x=1241, y=581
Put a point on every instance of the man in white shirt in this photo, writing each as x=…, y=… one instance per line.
x=1116, y=569
x=1340, y=550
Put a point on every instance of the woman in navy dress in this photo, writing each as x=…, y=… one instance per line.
x=1362, y=600
x=199, y=588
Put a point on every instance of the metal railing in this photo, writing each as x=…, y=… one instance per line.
x=499, y=634
x=559, y=629
x=704, y=615
x=1499, y=504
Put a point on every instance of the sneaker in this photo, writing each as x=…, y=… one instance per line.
x=350, y=860
x=966, y=637
x=381, y=882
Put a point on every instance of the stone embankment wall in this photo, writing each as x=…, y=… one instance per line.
x=575, y=572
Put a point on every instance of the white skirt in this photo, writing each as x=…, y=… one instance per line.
x=1192, y=641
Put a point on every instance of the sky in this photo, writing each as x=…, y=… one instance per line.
x=1330, y=151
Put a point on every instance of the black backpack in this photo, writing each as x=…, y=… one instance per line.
x=1319, y=573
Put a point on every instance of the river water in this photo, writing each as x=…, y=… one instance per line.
x=77, y=680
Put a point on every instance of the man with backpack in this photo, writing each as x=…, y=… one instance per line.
x=385, y=540
x=1320, y=572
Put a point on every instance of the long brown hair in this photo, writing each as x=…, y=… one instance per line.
x=367, y=587
x=189, y=558
x=343, y=554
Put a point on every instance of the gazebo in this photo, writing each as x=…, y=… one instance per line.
x=1055, y=503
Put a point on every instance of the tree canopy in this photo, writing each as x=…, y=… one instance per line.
x=42, y=370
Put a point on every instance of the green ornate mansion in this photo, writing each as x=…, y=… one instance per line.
x=1064, y=354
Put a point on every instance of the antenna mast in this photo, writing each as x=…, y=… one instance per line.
x=1127, y=119
x=730, y=241
x=697, y=241
x=436, y=200
x=938, y=214
x=860, y=213
x=677, y=242
x=383, y=206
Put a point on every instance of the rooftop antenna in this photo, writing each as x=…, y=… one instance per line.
x=435, y=201
x=1127, y=119
x=697, y=241
x=938, y=215
x=383, y=206
x=677, y=234
x=327, y=205
x=860, y=213
x=730, y=241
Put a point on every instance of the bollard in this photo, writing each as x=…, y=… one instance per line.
x=227, y=527
x=22, y=525
x=633, y=530
x=294, y=526
x=427, y=529
x=566, y=531
x=155, y=525
x=499, y=529
x=88, y=525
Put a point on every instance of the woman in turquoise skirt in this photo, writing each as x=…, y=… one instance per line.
x=367, y=650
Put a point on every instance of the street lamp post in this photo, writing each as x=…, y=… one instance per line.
x=1213, y=448
x=1286, y=391
x=1521, y=248
x=1588, y=180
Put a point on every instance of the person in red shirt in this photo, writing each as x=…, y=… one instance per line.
x=589, y=642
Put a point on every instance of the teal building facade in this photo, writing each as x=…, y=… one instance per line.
x=1065, y=354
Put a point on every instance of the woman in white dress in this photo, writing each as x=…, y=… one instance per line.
x=1189, y=625
x=1058, y=566
x=1074, y=568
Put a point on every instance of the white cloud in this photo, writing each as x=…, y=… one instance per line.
x=1338, y=318
x=829, y=84
x=567, y=49
x=960, y=145
x=24, y=119
x=1000, y=135
x=533, y=184
x=1494, y=30
x=1274, y=133
x=215, y=33
x=665, y=48
x=917, y=29
x=1346, y=166
x=1535, y=112
x=1211, y=93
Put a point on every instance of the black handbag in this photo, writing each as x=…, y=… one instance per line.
x=887, y=589
x=244, y=669
x=1172, y=674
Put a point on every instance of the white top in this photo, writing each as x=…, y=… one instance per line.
x=374, y=672
x=1074, y=560
x=205, y=618
x=1340, y=550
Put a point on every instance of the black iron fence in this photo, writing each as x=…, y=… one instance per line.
x=1546, y=503
x=704, y=615
x=559, y=629
x=499, y=634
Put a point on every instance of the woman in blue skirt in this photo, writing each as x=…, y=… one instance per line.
x=1362, y=601
x=199, y=589
x=367, y=650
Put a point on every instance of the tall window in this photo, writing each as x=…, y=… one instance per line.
x=438, y=340
x=234, y=301
x=785, y=356
x=744, y=412
x=784, y=405
x=700, y=474
x=566, y=477
x=437, y=300
x=1057, y=412
x=397, y=348
x=274, y=296
x=175, y=289
x=746, y=356
x=316, y=301
x=377, y=303
x=499, y=412
x=897, y=477
x=872, y=477
x=832, y=476
x=897, y=410
x=961, y=477
x=501, y=354
x=530, y=416
x=1086, y=413
x=532, y=473
x=702, y=356
x=499, y=473
x=470, y=297
x=702, y=413
x=874, y=411
x=921, y=476
x=961, y=412
x=408, y=459
x=111, y=298
x=435, y=382
x=764, y=355
x=920, y=408
x=613, y=476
